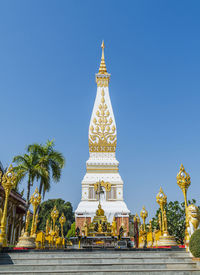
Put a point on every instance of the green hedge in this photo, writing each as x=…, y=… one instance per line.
x=194, y=244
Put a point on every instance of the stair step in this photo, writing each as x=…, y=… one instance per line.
x=94, y=255
x=105, y=271
x=124, y=260
x=100, y=266
x=98, y=262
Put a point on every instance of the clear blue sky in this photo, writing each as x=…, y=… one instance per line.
x=49, y=54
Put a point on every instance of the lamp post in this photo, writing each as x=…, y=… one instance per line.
x=54, y=216
x=184, y=181
x=8, y=182
x=62, y=220
x=35, y=201
x=161, y=199
x=144, y=215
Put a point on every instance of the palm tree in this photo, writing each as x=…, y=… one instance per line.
x=49, y=164
x=2, y=169
x=26, y=166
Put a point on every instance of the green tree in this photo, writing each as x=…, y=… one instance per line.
x=72, y=231
x=175, y=212
x=26, y=166
x=62, y=206
x=50, y=163
x=2, y=169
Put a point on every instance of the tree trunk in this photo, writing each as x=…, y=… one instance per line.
x=40, y=188
x=28, y=194
x=40, y=191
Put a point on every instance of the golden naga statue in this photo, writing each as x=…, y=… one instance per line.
x=193, y=218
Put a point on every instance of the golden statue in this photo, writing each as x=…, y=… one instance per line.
x=114, y=227
x=85, y=228
x=100, y=211
x=100, y=229
x=193, y=218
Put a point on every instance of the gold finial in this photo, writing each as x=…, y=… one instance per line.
x=102, y=68
x=103, y=47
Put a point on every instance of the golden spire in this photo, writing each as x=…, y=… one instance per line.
x=102, y=68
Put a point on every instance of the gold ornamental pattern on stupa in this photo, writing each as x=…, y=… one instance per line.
x=102, y=136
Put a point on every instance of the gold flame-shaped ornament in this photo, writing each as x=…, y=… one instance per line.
x=183, y=178
x=161, y=198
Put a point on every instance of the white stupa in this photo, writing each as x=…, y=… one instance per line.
x=102, y=164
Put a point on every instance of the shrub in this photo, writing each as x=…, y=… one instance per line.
x=194, y=244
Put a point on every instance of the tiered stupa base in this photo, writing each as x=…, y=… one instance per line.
x=167, y=240
x=26, y=241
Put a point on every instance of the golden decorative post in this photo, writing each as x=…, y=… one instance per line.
x=165, y=221
x=47, y=227
x=8, y=182
x=137, y=218
x=160, y=222
x=161, y=199
x=150, y=226
x=165, y=239
x=144, y=215
x=35, y=225
x=35, y=201
x=62, y=220
x=27, y=222
x=183, y=181
x=54, y=216
x=150, y=235
x=142, y=229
